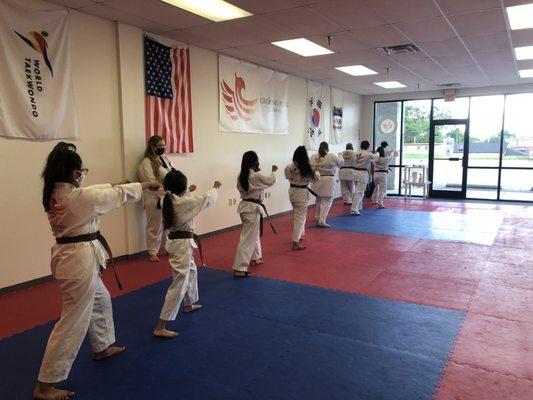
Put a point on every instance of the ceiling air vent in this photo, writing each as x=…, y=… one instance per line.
x=402, y=48
x=448, y=85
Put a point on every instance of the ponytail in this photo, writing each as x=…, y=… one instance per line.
x=175, y=182
x=168, y=211
x=249, y=161
x=323, y=149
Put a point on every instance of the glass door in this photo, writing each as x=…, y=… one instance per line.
x=448, y=158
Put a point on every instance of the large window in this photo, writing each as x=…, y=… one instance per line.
x=498, y=143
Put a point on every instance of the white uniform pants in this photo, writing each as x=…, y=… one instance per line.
x=360, y=186
x=323, y=204
x=249, y=247
x=347, y=190
x=155, y=238
x=380, y=188
x=184, y=286
x=299, y=200
x=86, y=307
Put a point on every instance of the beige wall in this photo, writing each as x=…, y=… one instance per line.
x=107, y=73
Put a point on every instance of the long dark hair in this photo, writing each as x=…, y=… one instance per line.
x=381, y=151
x=175, y=182
x=365, y=144
x=301, y=160
x=323, y=149
x=249, y=161
x=60, y=164
x=152, y=155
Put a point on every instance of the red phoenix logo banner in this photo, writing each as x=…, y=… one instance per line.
x=236, y=105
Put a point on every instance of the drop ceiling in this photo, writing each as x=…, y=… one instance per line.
x=463, y=41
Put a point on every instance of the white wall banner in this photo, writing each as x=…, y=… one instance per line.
x=337, y=106
x=318, y=97
x=252, y=99
x=37, y=100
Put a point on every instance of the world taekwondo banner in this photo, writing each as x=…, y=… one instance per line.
x=318, y=99
x=37, y=100
x=336, y=126
x=252, y=99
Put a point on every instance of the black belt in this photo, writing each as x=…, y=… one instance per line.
x=188, y=235
x=348, y=168
x=304, y=187
x=89, y=237
x=325, y=175
x=361, y=169
x=259, y=202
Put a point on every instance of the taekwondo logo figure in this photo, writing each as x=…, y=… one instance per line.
x=234, y=102
x=39, y=44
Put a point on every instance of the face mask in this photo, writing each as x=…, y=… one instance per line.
x=160, y=152
x=80, y=179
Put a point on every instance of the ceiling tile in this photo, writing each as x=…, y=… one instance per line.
x=340, y=42
x=525, y=64
x=194, y=39
x=464, y=6
x=523, y=37
x=492, y=42
x=242, y=55
x=349, y=14
x=263, y=28
x=303, y=21
x=158, y=12
x=464, y=60
x=494, y=56
x=261, y=7
x=229, y=35
x=268, y=51
x=443, y=48
x=417, y=61
x=428, y=30
x=101, y=10
x=399, y=11
x=379, y=36
x=73, y=3
x=479, y=23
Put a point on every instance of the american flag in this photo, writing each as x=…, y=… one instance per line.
x=167, y=79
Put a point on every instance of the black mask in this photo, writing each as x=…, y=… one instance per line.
x=160, y=152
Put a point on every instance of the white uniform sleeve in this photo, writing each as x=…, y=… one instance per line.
x=191, y=206
x=287, y=171
x=339, y=161
x=146, y=172
x=105, y=199
x=260, y=181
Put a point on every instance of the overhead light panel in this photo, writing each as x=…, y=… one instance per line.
x=357, y=70
x=390, y=84
x=215, y=10
x=526, y=73
x=524, y=53
x=302, y=47
x=520, y=17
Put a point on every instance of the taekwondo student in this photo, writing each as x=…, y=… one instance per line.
x=383, y=144
x=153, y=168
x=381, y=169
x=179, y=210
x=299, y=174
x=363, y=159
x=78, y=258
x=326, y=164
x=251, y=184
x=347, y=174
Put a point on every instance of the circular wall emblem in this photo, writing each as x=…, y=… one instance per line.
x=387, y=126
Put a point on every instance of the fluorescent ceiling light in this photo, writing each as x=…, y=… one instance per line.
x=520, y=17
x=390, y=84
x=302, y=47
x=524, y=53
x=526, y=73
x=357, y=70
x=215, y=10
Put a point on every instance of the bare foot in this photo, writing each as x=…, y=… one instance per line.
x=165, y=333
x=153, y=258
x=192, y=308
x=110, y=351
x=241, y=274
x=46, y=391
x=297, y=246
x=259, y=261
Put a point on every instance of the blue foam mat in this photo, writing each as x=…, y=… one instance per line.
x=470, y=227
x=255, y=339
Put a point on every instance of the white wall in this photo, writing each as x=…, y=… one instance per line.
x=107, y=73
x=367, y=110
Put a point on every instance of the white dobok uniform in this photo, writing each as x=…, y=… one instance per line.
x=381, y=169
x=184, y=286
x=347, y=175
x=76, y=267
x=249, y=247
x=325, y=187
x=363, y=158
x=155, y=236
x=299, y=198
